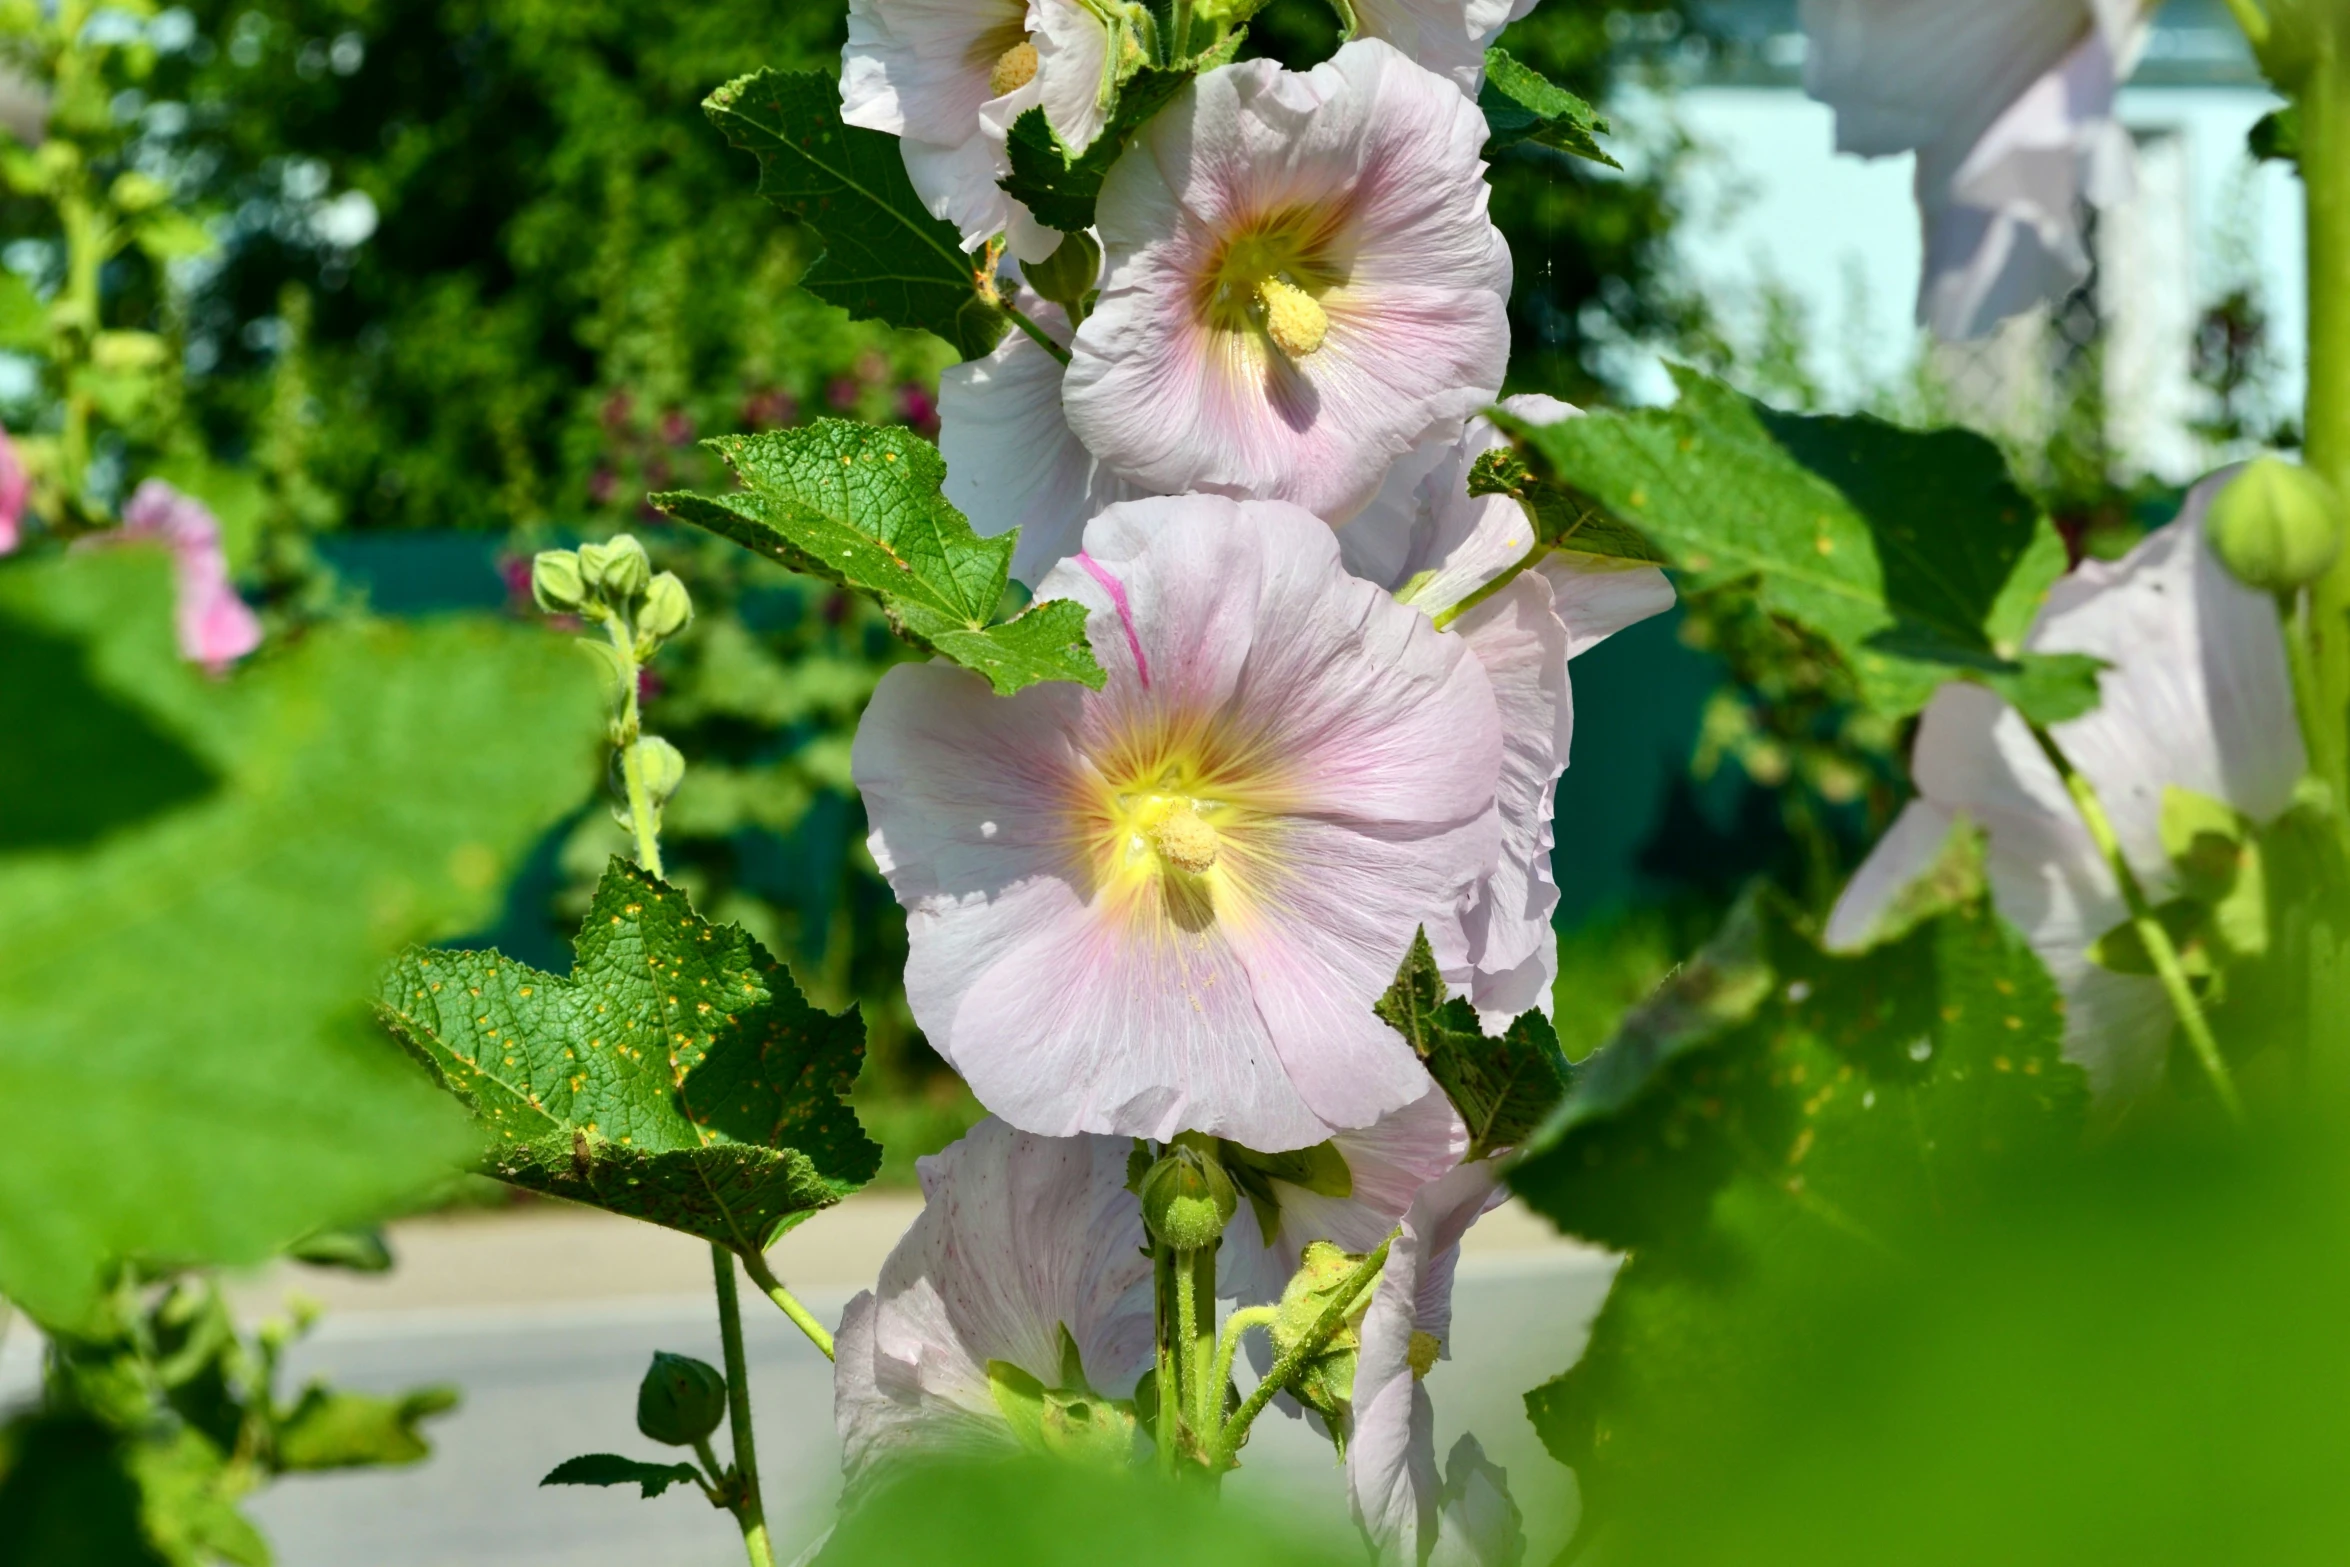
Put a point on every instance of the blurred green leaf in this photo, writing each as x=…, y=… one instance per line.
x=169, y=234
x=885, y=257
x=677, y=1076
x=1521, y=104
x=199, y=877
x=24, y=320
x=862, y=506
x=66, y=1498
x=612, y=1469
x=1502, y=1087
x=331, y=1429
x=188, y=1497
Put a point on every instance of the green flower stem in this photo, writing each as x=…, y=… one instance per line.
x=802, y=1318
x=1229, y=1346
x=1444, y=620
x=2325, y=180
x=1207, y=1396
x=627, y=730
x=1043, y=338
x=715, y=1487
x=1170, y=1387
x=749, y=1510
x=1285, y=1368
x=1193, y=1399
x=2151, y=933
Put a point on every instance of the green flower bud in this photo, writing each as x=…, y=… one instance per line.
x=618, y=568
x=1069, y=274
x=1187, y=1199
x=556, y=582
x=663, y=765
x=681, y=1400
x=137, y=192
x=2276, y=527
x=668, y=609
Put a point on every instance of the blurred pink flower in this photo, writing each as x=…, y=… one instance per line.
x=1021, y=1240
x=13, y=485
x=1171, y=904
x=1301, y=284
x=215, y=626
x=1435, y=545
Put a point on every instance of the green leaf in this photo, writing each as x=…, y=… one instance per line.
x=1058, y=187
x=1901, y=548
x=2276, y=136
x=331, y=1429
x=67, y=1499
x=862, y=506
x=677, y=1076
x=885, y=257
x=1521, y=104
x=188, y=1501
x=1502, y=1087
x=24, y=320
x=612, y=1469
x=1561, y=518
x=199, y=879
x=169, y=234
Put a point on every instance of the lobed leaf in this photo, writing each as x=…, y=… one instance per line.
x=677, y=1076
x=612, y=1469
x=1058, y=187
x=1521, y=104
x=1503, y=1088
x=886, y=257
x=863, y=506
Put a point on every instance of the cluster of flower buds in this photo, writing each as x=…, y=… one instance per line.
x=613, y=585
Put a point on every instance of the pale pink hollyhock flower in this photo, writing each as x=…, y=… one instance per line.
x=2008, y=105
x=13, y=486
x=948, y=78
x=1387, y=1164
x=1435, y=545
x=1021, y=1240
x=1449, y=37
x=1170, y=905
x=216, y=628
x=1012, y=460
x=1300, y=284
x=1392, y=1482
x=2198, y=696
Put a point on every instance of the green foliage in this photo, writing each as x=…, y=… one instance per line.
x=1521, y=104
x=1502, y=1087
x=1059, y=188
x=863, y=507
x=1562, y=519
x=332, y=1429
x=197, y=878
x=1915, y=555
x=67, y=1500
x=677, y=1076
x=612, y=1469
x=885, y=257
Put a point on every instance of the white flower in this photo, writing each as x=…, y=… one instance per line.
x=1448, y=37
x=1027, y=1248
x=1435, y=545
x=948, y=78
x=1301, y=284
x=2009, y=107
x=2198, y=697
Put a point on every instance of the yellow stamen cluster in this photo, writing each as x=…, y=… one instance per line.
x=1014, y=69
x=1294, y=319
x=1182, y=839
x=1422, y=1351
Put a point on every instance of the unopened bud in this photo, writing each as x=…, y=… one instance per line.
x=681, y=1400
x=1187, y=1199
x=668, y=609
x=618, y=568
x=663, y=767
x=556, y=582
x=2276, y=527
x=1069, y=274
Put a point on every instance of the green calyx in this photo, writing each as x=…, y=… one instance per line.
x=1325, y=1381
x=1071, y=1421
x=2276, y=527
x=681, y=1400
x=1187, y=1197
x=1069, y=276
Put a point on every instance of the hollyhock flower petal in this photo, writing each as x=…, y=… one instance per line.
x=1449, y=37
x=1012, y=460
x=1019, y=1239
x=1478, y=1523
x=1436, y=545
x=2198, y=696
x=1171, y=904
x=216, y=627
x=13, y=488
x=1388, y=1163
x=2009, y=105
x=1391, y=1477
x=1073, y=60
x=1301, y=284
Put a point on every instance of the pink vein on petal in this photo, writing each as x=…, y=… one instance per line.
x=1117, y=591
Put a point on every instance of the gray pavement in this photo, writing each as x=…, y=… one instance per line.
x=548, y=1377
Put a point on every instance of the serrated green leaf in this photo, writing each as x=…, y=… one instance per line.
x=863, y=506
x=1899, y=547
x=612, y=1469
x=1060, y=188
x=677, y=1076
x=329, y=1428
x=1560, y=518
x=200, y=878
x=1521, y=104
x=885, y=257
x=1503, y=1088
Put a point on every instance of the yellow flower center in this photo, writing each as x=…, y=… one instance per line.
x=1182, y=838
x=1422, y=1351
x=1271, y=277
x=1014, y=69
x=1294, y=319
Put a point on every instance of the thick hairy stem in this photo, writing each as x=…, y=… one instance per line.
x=1285, y=1369
x=749, y=1510
x=1169, y=1384
x=1228, y=1346
x=626, y=734
x=2151, y=934
x=1192, y=1401
x=772, y=1287
x=2325, y=179
x=1207, y=1391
